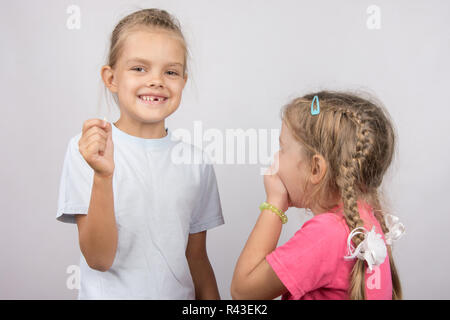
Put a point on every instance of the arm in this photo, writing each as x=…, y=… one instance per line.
x=201, y=270
x=97, y=230
x=253, y=277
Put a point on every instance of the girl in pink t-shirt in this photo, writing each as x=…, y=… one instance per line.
x=334, y=151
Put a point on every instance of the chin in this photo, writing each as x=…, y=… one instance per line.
x=295, y=203
x=153, y=116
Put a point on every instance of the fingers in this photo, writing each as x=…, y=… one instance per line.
x=95, y=147
x=275, y=165
x=93, y=131
x=94, y=137
x=94, y=122
x=268, y=171
x=93, y=127
x=108, y=128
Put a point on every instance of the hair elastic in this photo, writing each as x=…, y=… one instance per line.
x=372, y=249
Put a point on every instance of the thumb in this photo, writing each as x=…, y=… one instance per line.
x=108, y=129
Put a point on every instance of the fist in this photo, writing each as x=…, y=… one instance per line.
x=96, y=146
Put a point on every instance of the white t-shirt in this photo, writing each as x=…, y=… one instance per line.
x=157, y=204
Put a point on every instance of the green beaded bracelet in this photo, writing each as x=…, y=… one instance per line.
x=275, y=210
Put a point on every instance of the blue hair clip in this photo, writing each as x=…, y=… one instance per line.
x=315, y=110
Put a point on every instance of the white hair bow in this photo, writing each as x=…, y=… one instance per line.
x=372, y=248
x=395, y=227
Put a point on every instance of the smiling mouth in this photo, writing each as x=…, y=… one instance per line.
x=152, y=99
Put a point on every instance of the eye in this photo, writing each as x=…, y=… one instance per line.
x=138, y=69
x=172, y=73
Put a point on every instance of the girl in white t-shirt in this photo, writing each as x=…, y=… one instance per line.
x=142, y=217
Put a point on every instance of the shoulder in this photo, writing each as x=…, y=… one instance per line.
x=324, y=220
x=325, y=227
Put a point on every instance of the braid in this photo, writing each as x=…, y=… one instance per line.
x=350, y=183
x=379, y=215
x=346, y=183
x=350, y=173
x=160, y=18
x=396, y=285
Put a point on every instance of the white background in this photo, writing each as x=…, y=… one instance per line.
x=249, y=58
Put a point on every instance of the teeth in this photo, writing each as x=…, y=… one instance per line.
x=147, y=98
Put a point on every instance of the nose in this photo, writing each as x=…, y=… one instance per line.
x=155, y=81
x=155, y=84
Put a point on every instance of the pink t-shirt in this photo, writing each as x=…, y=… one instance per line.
x=311, y=264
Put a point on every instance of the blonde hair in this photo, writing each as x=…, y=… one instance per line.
x=357, y=140
x=145, y=18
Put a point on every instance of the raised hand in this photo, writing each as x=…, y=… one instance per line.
x=96, y=146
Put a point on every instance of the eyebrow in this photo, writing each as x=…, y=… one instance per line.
x=144, y=61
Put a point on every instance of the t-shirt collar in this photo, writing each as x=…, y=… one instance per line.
x=155, y=143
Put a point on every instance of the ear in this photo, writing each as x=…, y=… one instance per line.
x=318, y=168
x=107, y=74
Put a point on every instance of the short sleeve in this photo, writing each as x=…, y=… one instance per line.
x=309, y=260
x=208, y=210
x=75, y=184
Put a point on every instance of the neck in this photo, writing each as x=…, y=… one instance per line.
x=317, y=209
x=154, y=130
